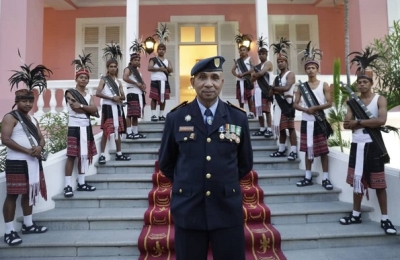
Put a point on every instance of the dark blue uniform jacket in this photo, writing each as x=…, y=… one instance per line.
x=205, y=169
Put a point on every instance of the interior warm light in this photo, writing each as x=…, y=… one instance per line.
x=149, y=44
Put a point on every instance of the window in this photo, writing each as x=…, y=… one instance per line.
x=197, y=34
x=299, y=29
x=95, y=34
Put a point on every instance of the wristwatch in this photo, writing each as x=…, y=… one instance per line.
x=81, y=106
x=358, y=121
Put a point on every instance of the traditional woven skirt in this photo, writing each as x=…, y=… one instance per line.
x=320, y=143
x=155, y=91
x=107, y=124
x=17, y=178
x=73, y=148
x=134, y=108
x=286, y=123
x=247, y=91
x=373, y=169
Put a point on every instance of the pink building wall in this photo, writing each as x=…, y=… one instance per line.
x=21, y=23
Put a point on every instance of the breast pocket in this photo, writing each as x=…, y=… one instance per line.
x=227, y=147
x=187, y=143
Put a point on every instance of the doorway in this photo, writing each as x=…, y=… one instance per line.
x=188, y=56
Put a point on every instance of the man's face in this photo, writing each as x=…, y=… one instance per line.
x=364, y=85
x=282, y=64
x=207, y=85
x=112, y=68
x=243, y=51
x=135, y=62
x=263, y=56
x=311, y=70
x=161, y=51
x=25, y=105
x=82, y=80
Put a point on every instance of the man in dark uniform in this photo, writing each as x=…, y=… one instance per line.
x=205, y=151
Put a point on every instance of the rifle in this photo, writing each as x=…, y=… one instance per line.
x=319, y=115
x=246, y=77
x=262, y=83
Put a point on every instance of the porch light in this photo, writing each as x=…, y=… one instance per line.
x=244, y=40
x=149, y=44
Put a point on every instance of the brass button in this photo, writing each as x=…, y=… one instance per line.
x=208, y=193
x=208, y=140
x=185, y=139
x=180, y=190
x=233, y=190
x=208, y=158
x=208, y=176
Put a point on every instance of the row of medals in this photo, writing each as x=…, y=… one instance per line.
x=230, y=132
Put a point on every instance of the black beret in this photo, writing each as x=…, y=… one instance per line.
x=208, y=65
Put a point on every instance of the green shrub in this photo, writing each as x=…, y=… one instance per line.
x=54, y=129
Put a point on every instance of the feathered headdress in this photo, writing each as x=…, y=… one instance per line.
x=240, y=38
x=365, y=61
x=281, y=48
x=32, y=78
x=112, y=52
x=137, y=48
x=262, y=44
x=310, y=54
x=82, y=64
x=162, y=34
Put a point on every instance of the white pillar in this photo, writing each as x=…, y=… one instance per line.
x=132, y=26
x=393, y=7
x=262, y=20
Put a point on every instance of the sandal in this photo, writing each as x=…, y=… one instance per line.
x=102, y=160
x=327, y=184
x=137, y=136
x=129, y=136
x=292, y=156
x=258, y=133
x=12, y=239
x=33, y=229
x=122, y=157
x=268, y=134
x=304, y=182
x=350, y=219
x=278, y=154
x=388, y=227
x=85, y=187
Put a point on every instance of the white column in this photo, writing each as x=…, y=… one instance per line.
x=40, y=104
x=393, y=7
x=132, y=26
x=262, y=20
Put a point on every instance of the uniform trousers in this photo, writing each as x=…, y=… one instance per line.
x=226, y=243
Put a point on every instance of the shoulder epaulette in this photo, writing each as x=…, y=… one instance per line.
x=184, y=103
x=234, y=106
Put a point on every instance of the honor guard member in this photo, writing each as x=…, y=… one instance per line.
x=366, y=114
x=205, y=151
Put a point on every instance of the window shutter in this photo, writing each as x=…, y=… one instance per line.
x=227, y=49
x=94, y=74
x=91, y=35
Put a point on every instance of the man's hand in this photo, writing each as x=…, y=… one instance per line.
x=36, y=151
x=350, y=124
x=311, y=110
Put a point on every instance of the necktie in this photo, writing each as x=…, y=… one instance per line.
x=209, y=119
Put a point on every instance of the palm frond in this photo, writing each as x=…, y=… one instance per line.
x=163, y=34
x=241, y=37
x=364, y=59
x=310, y=53
x=262, y=43
x=281, y=47
x=112, y=51
x=137, y=47
x=32, y=78
x=82, y=62
x=388, y=128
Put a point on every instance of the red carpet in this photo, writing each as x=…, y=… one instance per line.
x=156, y=240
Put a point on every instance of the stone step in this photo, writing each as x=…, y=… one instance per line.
x=312, y=212
x=155, y=142
x=73, y=243
x=333, y=235
x=387, y=252
x=91, y=218
x=144, y=181
x=138, y=198
x=147, y=166
x=152, y=153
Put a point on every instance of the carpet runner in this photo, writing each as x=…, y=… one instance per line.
x=156, y=241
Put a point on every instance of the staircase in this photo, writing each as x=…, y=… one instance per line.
x=106, y=224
